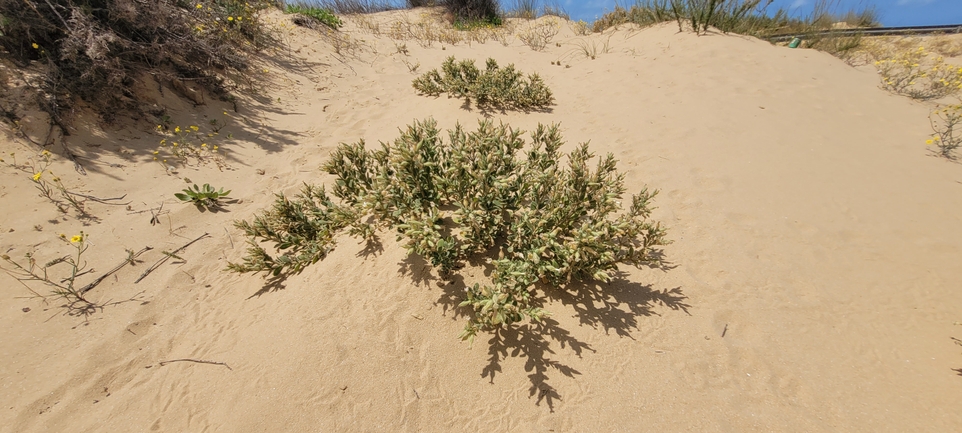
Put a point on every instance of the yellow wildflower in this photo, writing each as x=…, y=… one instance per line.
x=199, y=6
x=36, y=177
x=194, y=127
x=45, y=153
x=929, y=141
x=35, y=46
x=77, y=238
x=230, y=18
x=156, y=152
x=203, y=145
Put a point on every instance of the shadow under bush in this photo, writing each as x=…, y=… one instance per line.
x=96, y=51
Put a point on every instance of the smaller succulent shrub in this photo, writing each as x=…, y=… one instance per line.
x=204, y=198
x=493, y=87
x=320, y=15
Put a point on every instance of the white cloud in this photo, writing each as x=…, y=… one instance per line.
x=799, y=3
x=914, y=2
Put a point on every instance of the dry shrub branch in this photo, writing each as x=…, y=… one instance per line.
x=96, y=51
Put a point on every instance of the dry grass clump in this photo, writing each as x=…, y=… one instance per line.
x=538, y=34
x=494, y=87
x=536, y=224
x=96, y=51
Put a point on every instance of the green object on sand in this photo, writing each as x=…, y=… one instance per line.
x=794, y=43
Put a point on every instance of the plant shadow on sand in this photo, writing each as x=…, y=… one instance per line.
x=614, y=307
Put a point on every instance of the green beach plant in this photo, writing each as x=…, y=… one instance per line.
x=319, y=15
x=494, y=87
x=480, y=197
x=205, y=197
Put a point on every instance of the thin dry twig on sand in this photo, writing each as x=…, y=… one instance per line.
x=102, y=200
x=129, y=260
x=168, y=255
x=199, y=361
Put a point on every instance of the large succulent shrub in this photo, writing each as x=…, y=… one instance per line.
x=539, y=223
x=493, y=87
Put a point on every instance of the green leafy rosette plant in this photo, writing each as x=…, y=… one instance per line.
x=477, y=197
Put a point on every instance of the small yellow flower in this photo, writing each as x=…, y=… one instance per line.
x=163, y=142
x=230, y=18
x=929, y=141
x=195, y=128
x=225, y=113
x=199, y=6
x=936, y=138
x=77, y=238
x=177, y=129
x=175, y=144
x=36, y=177
x=35, y=46
x=240, y=18
x=159, y=127
x=156, y=152
x=45, y=153
x=203, y=145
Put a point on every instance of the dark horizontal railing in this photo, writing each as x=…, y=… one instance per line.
x=873, y=31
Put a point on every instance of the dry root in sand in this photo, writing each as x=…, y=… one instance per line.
x=536, y=224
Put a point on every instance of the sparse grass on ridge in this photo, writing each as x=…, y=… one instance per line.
x=748, y=17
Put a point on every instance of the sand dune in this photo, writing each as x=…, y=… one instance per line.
x=815, y=281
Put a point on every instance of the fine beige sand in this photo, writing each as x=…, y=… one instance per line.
x=816, y=282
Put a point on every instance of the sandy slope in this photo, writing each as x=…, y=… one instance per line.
x=815, y=286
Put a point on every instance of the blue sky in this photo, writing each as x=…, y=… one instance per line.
x=891, y=12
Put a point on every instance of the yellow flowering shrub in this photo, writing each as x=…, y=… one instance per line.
x=189, y=145
x=919, y=75
x=946, y=138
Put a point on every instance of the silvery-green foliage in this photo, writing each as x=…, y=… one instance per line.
x=478, y=194
x=493, y=87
